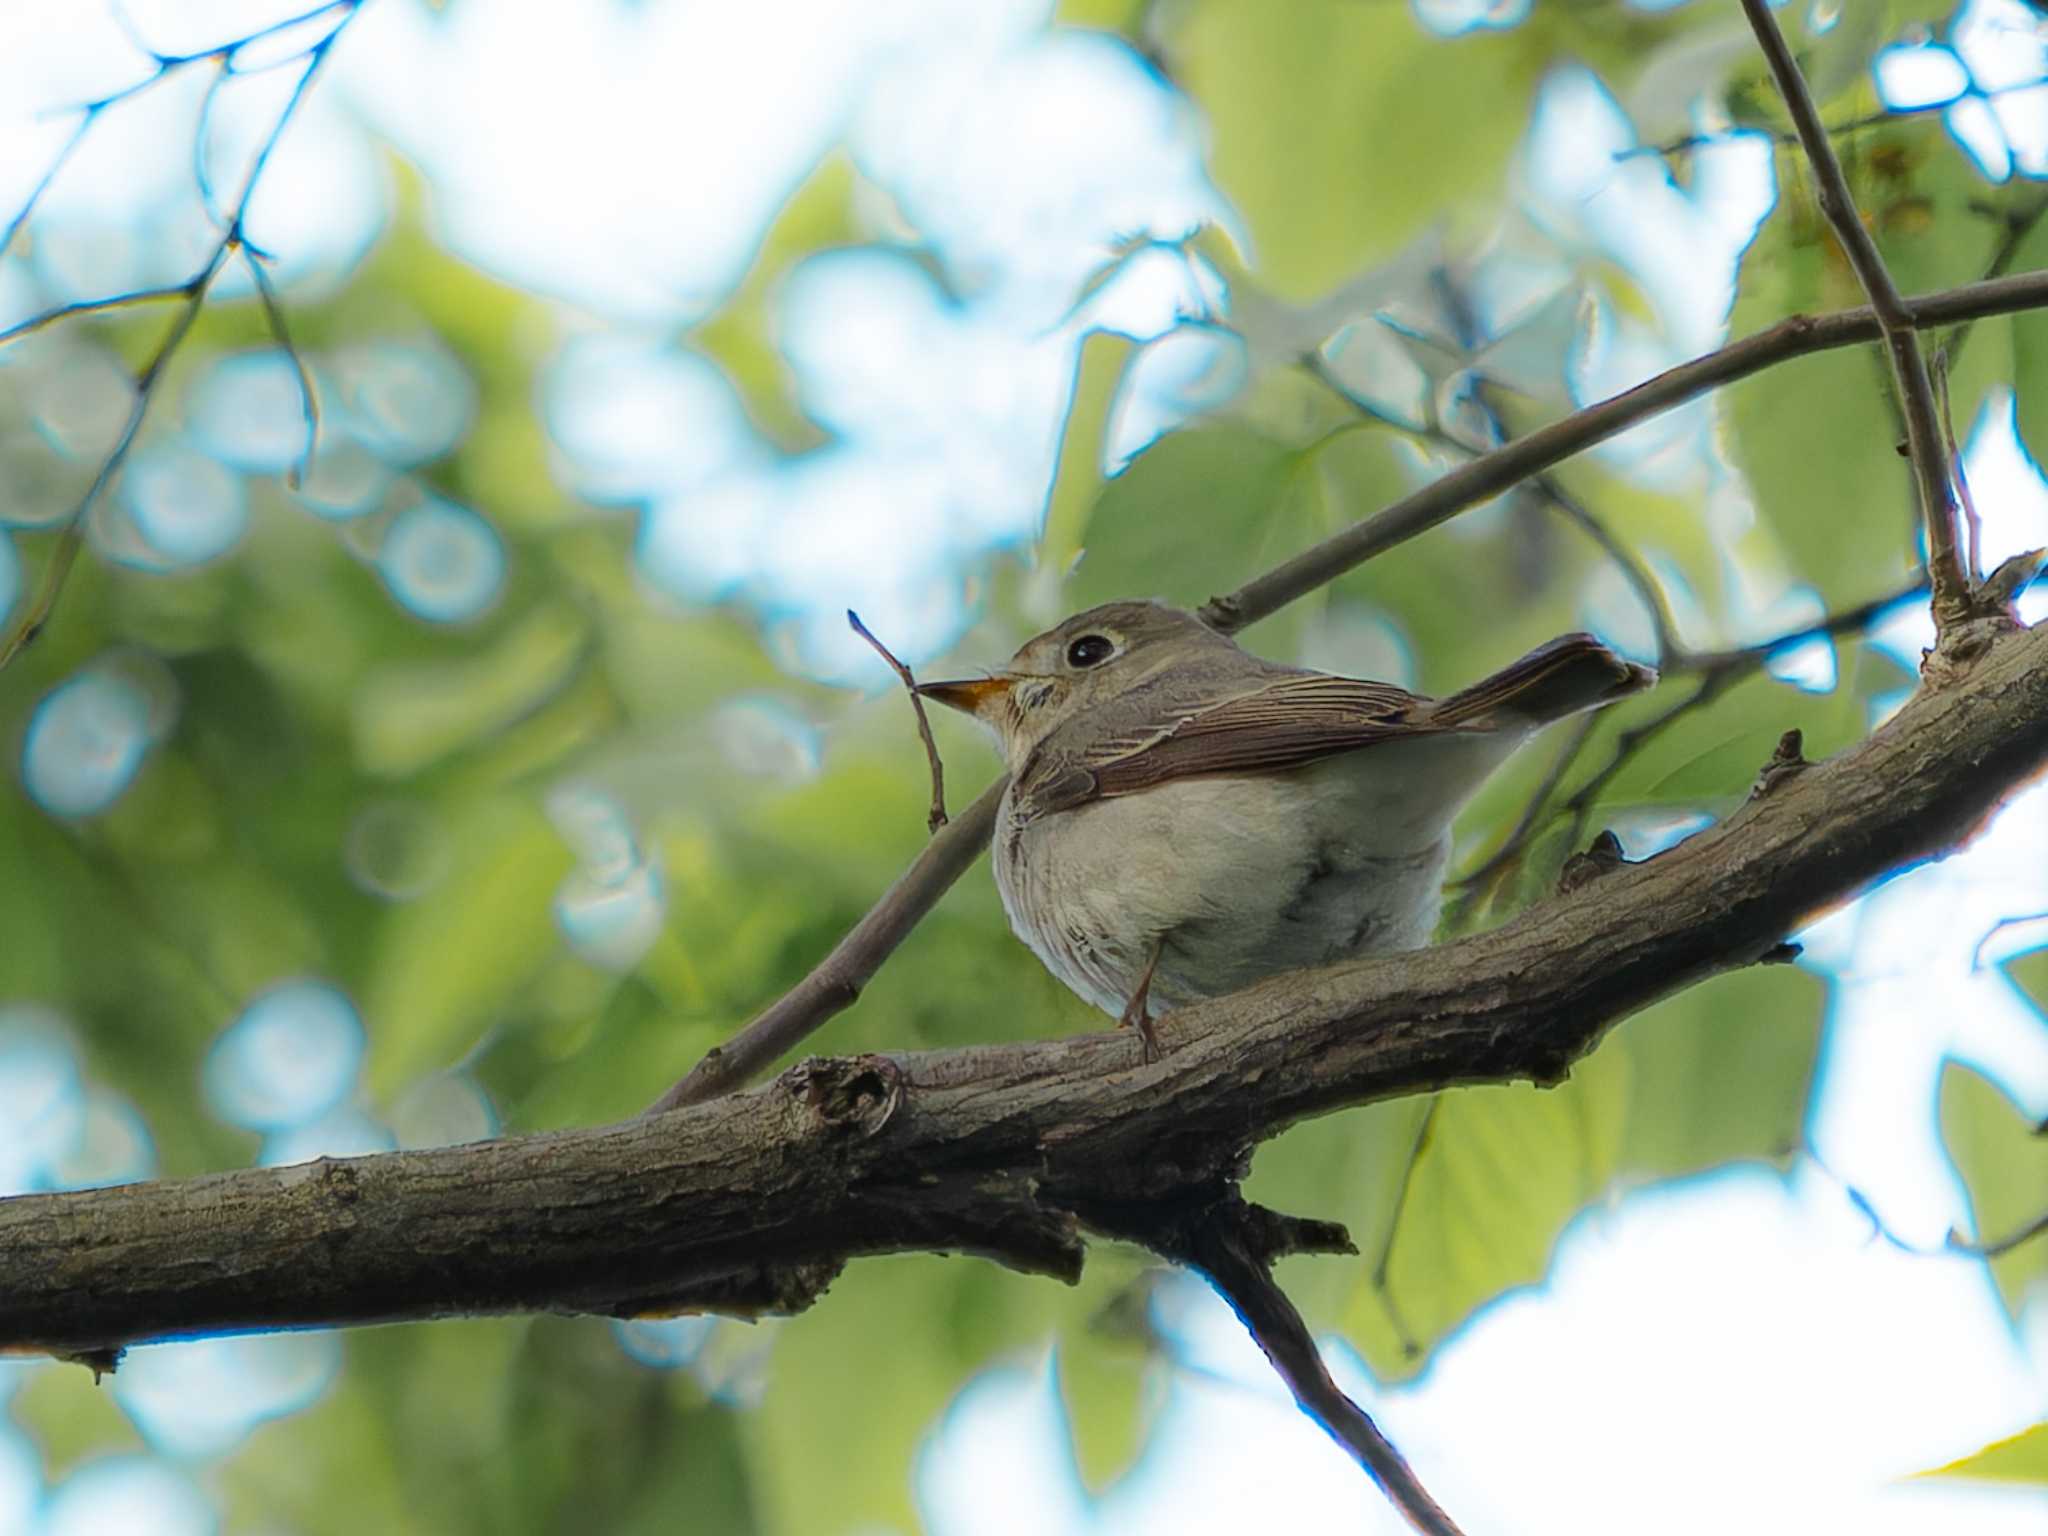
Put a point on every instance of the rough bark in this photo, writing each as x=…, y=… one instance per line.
x=753, y=1201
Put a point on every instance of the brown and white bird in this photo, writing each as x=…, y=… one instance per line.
x=1184, y=818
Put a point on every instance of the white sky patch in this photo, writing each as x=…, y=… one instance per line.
x=1728, y=1353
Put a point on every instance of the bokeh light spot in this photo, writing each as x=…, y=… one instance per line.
x=612, y=920
x=202, y=1398
x=248, y=412
x=396, y=850
x=344, y=480
x=291, y=1057
x=442, y=562
x=406, y=403
x=666, y=1343
x=85, y=742
x=761, y=737
x=187, y=506
x=444, y=1110
x=134, y=1495
x=42, y=1097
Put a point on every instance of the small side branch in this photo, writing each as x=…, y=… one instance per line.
x=1953, y=600
x=1230, y=1247
x=191, y=293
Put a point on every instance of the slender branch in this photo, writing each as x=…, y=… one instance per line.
x=1717, y=671
x=1999, y=1247
x=752, y=1201
x=72, y=535
x=1841, y=130
x=935, y=818
x=193, y=291
x=1242, y=1270
x=1951, y=583
x=309, y=405
x=1492, y=473
x=1547, y=485
x=837, y=980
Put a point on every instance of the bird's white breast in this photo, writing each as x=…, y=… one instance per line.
x=1239, y=877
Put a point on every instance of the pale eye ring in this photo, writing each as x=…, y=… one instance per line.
x=1090, y=651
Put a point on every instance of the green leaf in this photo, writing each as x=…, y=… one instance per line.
x=2029, y=337
x=856, y=1385
x=447, y=964
x=2003, y=1162
x=1189, y=514
x=1719, y=1073
x=2020, y=1458
x=1309, y=107
x=2029, y=972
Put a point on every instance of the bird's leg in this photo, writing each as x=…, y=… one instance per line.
x=1137, y=1012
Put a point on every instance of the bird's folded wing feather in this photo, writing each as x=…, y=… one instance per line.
x=1288, y=723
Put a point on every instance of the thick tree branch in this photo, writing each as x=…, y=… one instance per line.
x=1952, y=600
x=837, y=980
x=753, y=1200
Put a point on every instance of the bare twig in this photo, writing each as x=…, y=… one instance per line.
x=1575, y=512
x=1717, y=671
x=1241, y=1268
x=1383, y=1262
x=309, y=406
x=936, y=817
x=837, y=980
x=2017, y=920
x=1492, y=473
x=1998, y=1248
x=1841, y=130
x=1973, y=526
x=193, y=291
x=1952, y=599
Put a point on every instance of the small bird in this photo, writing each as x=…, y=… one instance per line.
x=1184, y=818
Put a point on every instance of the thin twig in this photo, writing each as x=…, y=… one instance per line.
x=1525, y=824
x=1951, y=586
x=1957, y=1243
x=1633, y=571
x=1972, y=525
x=1717, y=671
x=1492, y=473
x=2017, y=920
x=936, y=817
x=1840, y=130
x=1245, y=1279
x=309, y=406
x=1384, y=1261
x=193, y=291
x=2019, y=223
x=836, y=981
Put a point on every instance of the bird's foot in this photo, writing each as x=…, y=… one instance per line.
x=1137, y=1012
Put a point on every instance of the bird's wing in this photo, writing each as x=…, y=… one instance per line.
x=1289, y=721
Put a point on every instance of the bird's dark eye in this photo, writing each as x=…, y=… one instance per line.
x=1090, y=650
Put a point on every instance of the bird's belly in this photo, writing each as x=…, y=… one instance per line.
x=1235, y=879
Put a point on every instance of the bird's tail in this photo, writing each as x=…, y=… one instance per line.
x=1567, y=675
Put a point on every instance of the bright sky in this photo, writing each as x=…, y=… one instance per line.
x=1735, y=1352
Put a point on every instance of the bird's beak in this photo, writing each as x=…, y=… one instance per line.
x=971, y=695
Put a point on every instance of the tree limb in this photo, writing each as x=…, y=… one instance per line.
x=1952, y=598
x=752, y=1201
x=838, y=978
x=1235, y=1246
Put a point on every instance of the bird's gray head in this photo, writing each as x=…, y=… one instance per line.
x=1082, y=666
